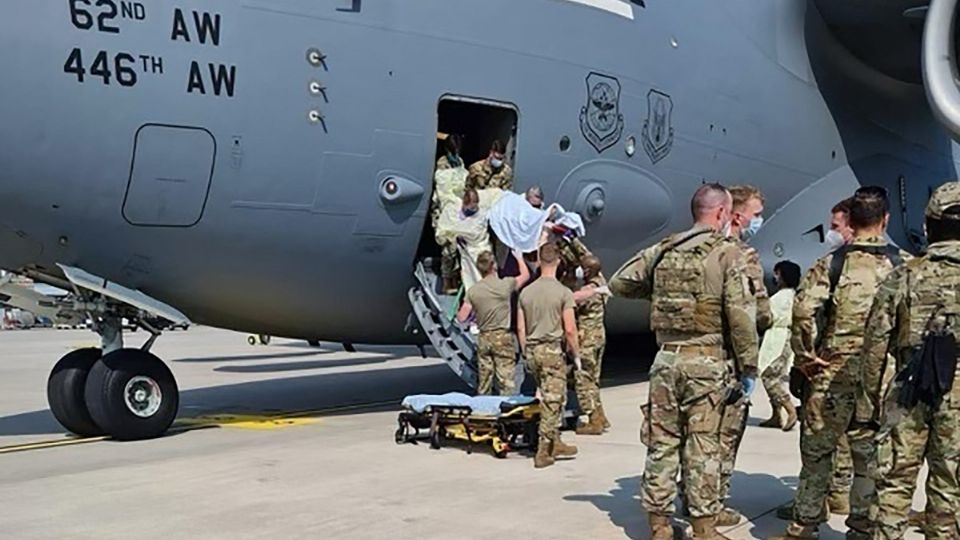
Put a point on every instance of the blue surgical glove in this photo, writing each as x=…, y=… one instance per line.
x=749, y=385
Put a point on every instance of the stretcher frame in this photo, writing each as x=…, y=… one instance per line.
x=516, y=428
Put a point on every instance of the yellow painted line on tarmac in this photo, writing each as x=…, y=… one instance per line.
x=244, y=421
x=40, y=445
x=262, y=422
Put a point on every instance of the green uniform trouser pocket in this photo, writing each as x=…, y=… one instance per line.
x=645, y=423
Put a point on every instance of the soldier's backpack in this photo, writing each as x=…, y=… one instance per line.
x=798, y=380
x=929, y=375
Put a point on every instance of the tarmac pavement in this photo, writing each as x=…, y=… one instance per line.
x=291, y=441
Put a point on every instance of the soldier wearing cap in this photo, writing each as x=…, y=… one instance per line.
x=917, y=301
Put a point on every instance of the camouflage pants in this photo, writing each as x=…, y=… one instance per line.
x=842, y=481
x=827, y=416
x=587, y=380
x=450, y=261
x=496, y=357
x=907, y=438
x=546, y=362
x=686, y=403
x=732, y=427
x=772, y=379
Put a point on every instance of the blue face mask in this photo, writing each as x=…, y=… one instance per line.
x=752, y=228
x=453, y=159
x=468, y=212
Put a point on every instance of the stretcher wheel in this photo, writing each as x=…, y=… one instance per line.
x=436, y=438
x=501, y=454
x=400, y=437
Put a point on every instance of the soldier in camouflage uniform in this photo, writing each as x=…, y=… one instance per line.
x=591, y=304
x=921, y=293
x=700, y=302
x=746, y=222
x=492, y=171
x=833, y=368
x=490, y=299
x=545, y=319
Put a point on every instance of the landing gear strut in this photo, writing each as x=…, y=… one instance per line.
x=129, y=394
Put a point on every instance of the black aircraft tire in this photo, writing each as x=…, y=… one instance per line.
x=65, y=390
x=130, y=380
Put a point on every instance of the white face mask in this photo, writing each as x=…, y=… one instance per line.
x=496, y=163
x=752, y=228
x=834, y=240
x=579, y=273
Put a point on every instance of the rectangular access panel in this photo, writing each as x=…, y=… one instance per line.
x=170, y=176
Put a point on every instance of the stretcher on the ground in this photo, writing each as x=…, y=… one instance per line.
x=506, y=422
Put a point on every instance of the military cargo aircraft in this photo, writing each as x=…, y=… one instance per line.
x=266, y=166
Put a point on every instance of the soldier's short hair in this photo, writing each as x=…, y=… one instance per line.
x=842, y=207
x=497, y=146
x=869, y=206
x=486, y=263
x=708, y=197
x=945, y=229
x=744, y=194
x=789, y=273
x=549, y=253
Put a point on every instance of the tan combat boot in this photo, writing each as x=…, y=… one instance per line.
x=603, y=417
x=544, y=457
x=660, y=527
x=792, y=417
x=728, y=517
x=593, y=427
x=774, y=421
x=799, y=532
x=839, y=503
x=704, y=528
x=561, y=449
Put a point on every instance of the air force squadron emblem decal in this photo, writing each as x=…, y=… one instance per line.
x=658, y=128
x=600, y=120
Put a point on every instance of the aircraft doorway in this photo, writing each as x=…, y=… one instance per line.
x=478, y=123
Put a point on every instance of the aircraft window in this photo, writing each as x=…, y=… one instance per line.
x=564, y=143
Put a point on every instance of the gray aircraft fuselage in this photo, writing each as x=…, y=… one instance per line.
x=229, y=158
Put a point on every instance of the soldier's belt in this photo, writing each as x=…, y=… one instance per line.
x=699, y=350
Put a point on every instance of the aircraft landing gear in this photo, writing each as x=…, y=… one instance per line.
x=129, y=394
x=132, y=395
x=65, y=391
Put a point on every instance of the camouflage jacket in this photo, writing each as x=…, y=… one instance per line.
x=754, y=271
x=724, y=277
x=590, y=312
x=904, y=304
x=843, y=316
x=481, y=176
x=571, y=251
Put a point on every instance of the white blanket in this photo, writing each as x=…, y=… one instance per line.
x=519, y=225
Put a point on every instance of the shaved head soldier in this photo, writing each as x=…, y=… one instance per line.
x=546, y=318
x=915, y=318
x=701, y=303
